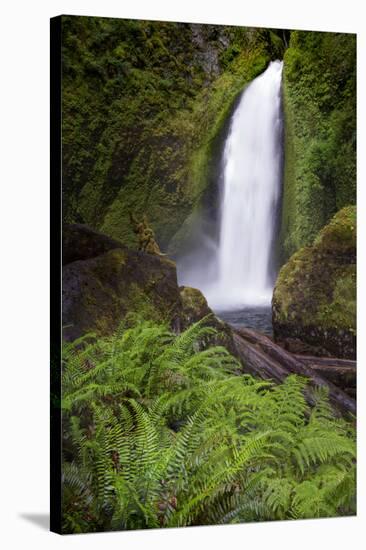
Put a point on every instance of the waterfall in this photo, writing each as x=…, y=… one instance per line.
x=238, y=269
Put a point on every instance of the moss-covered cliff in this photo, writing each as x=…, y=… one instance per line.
x=144, y=110
x=142, y=105
x=319, y=90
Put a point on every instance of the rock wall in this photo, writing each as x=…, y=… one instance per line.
x=319, y=96
x=143, y=103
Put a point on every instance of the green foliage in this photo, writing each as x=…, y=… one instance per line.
x=160, y=431
x=317, y=286
x=142, y=105
x=320, y=133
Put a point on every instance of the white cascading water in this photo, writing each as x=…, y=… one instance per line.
x=251, y=188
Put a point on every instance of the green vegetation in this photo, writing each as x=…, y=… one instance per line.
x=316, y=288
x=143, y=103
x=320, y=133
x=160, y=431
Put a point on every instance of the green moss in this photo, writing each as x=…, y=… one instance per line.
x=193, y=298
x=341, y=312
x=340, y=234
x=113, y=261
x=141, y=308
x=143, y=103
x=317, y=286
x=320, y=133
x=287, y=237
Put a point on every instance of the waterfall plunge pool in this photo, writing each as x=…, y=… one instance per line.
x=255, y=317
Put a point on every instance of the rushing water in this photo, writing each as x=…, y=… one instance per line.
x=236, y=272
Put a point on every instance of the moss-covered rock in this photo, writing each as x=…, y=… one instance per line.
x=101, y=290
x=314, y=299
x=194, y=304
x=105, y=283
x=194, y=308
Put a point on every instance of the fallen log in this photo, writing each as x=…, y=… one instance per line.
x=253, y=336
x=352, y=392
x=344, y=377
x=257, y=362
x=342, y=372
x=269, y=360
x=326, y=361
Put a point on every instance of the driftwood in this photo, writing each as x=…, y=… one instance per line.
x=268, y=360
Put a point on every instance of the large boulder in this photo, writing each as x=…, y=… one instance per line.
x=104, y=282
x=314, y=300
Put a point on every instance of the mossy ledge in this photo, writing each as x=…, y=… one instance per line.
x=314, y=299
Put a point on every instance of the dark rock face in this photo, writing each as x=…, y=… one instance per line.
x=80, y=242
x=314, y=300
x=103, y=282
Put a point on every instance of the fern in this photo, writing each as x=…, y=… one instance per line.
x=161, y=430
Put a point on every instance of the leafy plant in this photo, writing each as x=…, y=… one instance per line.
x=160, y=431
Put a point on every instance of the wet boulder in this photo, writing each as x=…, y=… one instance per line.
x=104, y=282
x=314, y=300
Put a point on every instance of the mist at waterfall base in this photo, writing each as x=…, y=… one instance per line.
x=235, y=269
